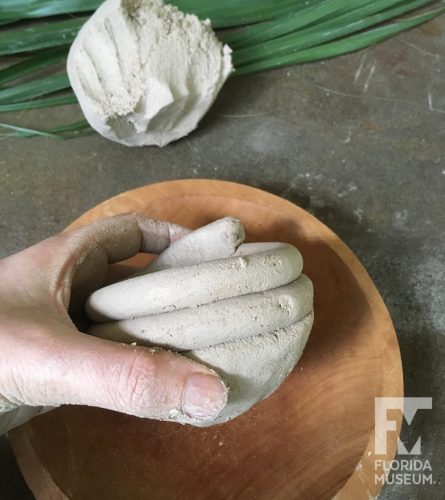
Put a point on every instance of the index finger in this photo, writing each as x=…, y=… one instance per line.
x=122, y=236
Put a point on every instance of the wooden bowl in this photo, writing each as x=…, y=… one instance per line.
x=312, y=439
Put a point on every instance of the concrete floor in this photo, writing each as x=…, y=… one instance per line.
x=358, y=141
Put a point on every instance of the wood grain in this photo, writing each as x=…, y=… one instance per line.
x=312, y=439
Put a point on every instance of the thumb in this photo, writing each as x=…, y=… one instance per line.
x=149, y=383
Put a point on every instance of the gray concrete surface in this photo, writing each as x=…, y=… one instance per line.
x=358, y=141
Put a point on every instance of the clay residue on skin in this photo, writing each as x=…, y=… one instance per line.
x=254, y=367
x=218, y=240
x=240, y=263
x=217, y=322
x=203, y=283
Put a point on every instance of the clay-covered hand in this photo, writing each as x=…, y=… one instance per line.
x=45, y=361
x=245, y=310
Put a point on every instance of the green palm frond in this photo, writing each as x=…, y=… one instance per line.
x=351, y=22
x=65, y=132
x=32, y=9
x=31, y=65
x=263, y=34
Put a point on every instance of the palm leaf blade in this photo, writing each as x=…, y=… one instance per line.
x=39, y=103
x=331, y=30
x=339, y=47
x=32, y=89
x=25, y=132
x=287, y=24
x=30, y=9
x=39, y=37
x=63, y=132
x=31, y=65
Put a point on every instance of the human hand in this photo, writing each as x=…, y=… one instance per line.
x=45, y=361
x=243, y=309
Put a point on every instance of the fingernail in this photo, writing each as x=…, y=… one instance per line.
x=204, y=396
